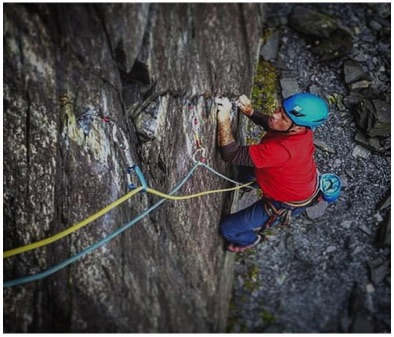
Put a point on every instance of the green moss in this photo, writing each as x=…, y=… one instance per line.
x=251, y=282
x=264, y=96
x=265, y=87
x=267, y=317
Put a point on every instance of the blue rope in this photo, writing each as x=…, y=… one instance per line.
x=224, y=177
x=98, y=244
x=141, y=177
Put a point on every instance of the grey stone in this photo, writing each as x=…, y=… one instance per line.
x=382, y=21
x=280, y=63
x=375, y=25
x=365, y=229
x=363, y=113
x=311, y=22
x=361, y=152
x=368, y=38
x=317, y=211
x=353, y=72
x=331, y=249
x=369, y=288
x=374, y=117
x=314, y=89
x=362, y=324
x=332, y=40
x=386, y=203
x=371, y=143
x=339, y=44
x=385, y=232
x=280, y=279
x=323, y=146
x=344, y=180
x=383, y=10
x=360, y=85
x=378, y=270
x=382, y=119
x=289, y=87
x=346, y=224
x=353, y=99
x=269, y=51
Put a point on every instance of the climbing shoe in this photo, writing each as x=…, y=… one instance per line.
x=239, y=249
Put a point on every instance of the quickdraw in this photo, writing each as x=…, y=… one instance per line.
x=203, y=158
x=282, y=214
x=196, y=135
x=124, y=146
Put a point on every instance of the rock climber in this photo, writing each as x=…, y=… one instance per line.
x=284, y=166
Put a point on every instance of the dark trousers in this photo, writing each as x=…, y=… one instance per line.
x=240, y=228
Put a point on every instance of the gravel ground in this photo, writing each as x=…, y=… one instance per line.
x=315, y=275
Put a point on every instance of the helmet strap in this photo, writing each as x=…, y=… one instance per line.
x=282, y=131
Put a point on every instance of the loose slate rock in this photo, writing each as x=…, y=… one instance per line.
x=332, y=41
x=378, y=270
x=317, y=211
x=382, y=119
x=312, y=23
x=269, y=51
x=371, y=143
x=323, y=146
x=353, y=72
x=289, y=87
x=337, y=45
x=361, y=152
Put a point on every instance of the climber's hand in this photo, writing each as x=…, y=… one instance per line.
x=244, y=104
x=224, y=108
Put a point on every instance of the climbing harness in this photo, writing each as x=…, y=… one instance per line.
x=328, y=187
x=283, y=215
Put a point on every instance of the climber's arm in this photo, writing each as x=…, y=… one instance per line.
x=255, y=116
x=230, y=151
x=259, y=118
x=236, y=154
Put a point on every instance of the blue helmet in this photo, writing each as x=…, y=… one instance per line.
x=306, y=110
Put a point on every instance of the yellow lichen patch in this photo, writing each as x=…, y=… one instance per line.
x=93, y=145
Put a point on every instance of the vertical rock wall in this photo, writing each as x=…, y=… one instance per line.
x=151, y=69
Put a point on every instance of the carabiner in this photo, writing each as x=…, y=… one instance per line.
x=203, y=158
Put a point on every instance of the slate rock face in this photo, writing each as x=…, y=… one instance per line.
x=72, y=72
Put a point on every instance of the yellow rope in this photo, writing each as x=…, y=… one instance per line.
x=100, y=213
x=184, y=197
x=58, y=236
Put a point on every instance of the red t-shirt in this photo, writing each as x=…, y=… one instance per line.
x=284, y=166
